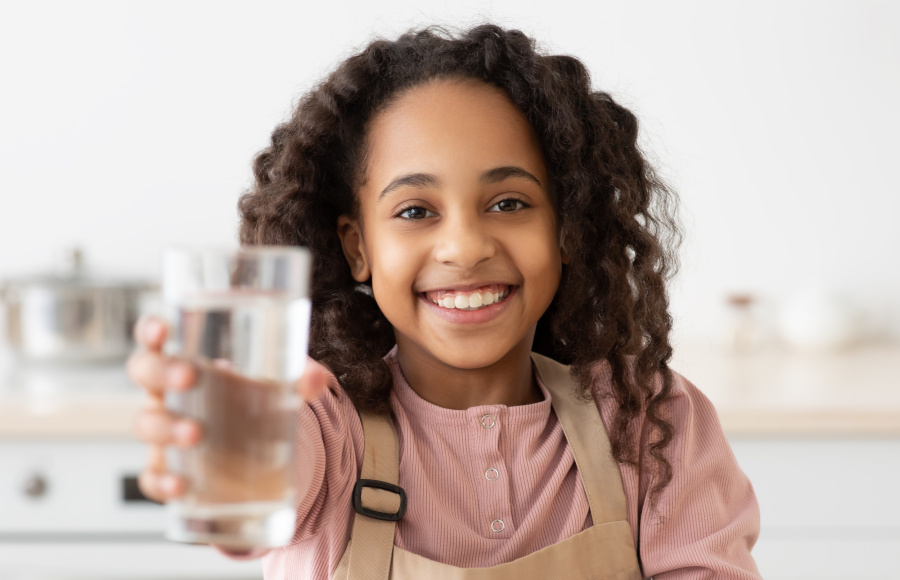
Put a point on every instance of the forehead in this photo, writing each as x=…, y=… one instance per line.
x=450, y=126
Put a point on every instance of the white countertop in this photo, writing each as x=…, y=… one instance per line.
x=769, y=392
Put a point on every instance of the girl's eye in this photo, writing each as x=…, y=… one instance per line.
x=511, y=204
x=415, y=213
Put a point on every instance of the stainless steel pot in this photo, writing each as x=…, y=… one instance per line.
x=72, y=316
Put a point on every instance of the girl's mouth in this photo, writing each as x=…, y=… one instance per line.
x=469, y=300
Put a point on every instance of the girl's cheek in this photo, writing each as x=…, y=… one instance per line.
x=395, y=264
x=541, y=245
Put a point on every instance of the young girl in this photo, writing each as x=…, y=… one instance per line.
x=490, y=322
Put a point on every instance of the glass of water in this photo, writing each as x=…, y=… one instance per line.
x=241, y=317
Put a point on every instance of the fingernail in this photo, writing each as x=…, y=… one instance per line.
x=152, y=329
x=168, y=484
x=178, y=375
x=183, y=431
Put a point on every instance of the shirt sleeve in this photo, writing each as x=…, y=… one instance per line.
x=705, y=522
x=327, y=454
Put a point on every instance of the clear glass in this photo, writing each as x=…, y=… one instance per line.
x=242, y=317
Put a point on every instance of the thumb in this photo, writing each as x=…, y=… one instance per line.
x=313, y=382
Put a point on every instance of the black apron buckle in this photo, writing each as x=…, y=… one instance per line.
x=375, y=514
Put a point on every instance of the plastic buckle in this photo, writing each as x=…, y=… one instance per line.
x=375, y=514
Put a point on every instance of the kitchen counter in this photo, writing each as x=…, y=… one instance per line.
x=86, y=402
x=854, y=392
x=772, y=391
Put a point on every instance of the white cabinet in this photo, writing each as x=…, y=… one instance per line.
x=73, y=488
x=65, y=513
x=829, y=507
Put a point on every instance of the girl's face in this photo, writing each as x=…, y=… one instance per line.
x=455, y=214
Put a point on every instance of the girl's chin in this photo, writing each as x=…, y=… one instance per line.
x=469, y=353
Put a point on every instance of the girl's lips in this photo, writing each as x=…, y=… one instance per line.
x=470, y=316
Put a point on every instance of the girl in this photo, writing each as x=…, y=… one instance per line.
x=491, y=323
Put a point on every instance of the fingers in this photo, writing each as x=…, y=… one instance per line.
x=158, y=373
x=159, y=427
x=150, y=368
x=157, y=483
x=150, y=332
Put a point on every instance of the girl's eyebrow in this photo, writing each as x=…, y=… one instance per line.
x=499, y=174
x=422, y=180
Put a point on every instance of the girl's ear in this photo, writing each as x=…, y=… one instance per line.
x=564, y=256
x=354, y=248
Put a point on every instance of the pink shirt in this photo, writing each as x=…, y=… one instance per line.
x=704, y=525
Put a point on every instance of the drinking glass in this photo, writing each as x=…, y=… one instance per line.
x=241, y=317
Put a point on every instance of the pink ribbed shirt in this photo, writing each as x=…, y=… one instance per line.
x=703, y=526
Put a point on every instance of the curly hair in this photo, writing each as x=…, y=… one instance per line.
x=618, y=217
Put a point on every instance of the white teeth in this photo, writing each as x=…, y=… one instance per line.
x=472, y=301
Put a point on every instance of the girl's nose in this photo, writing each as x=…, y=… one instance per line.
x=465, y=242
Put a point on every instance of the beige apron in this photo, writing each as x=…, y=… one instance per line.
x=603, y=551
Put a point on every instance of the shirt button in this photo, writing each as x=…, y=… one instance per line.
x=488, y=421
x=492, y=474
x=497, y=526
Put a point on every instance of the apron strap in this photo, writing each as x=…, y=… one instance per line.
x=586, y=435
x=372, y=539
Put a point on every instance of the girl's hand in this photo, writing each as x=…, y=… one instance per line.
x=158, y=373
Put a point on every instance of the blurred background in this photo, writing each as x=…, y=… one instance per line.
x=126, y=126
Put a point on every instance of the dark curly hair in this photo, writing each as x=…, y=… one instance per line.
x=618, y=216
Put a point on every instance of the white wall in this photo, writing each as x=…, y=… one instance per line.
x=125, y=126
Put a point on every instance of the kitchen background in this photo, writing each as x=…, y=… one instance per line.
x=125, y=126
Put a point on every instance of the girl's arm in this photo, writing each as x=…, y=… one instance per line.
x=706, y=520
x=327, y=455
x=328, y=447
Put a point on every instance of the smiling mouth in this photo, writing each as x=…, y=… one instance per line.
x=469, y=300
